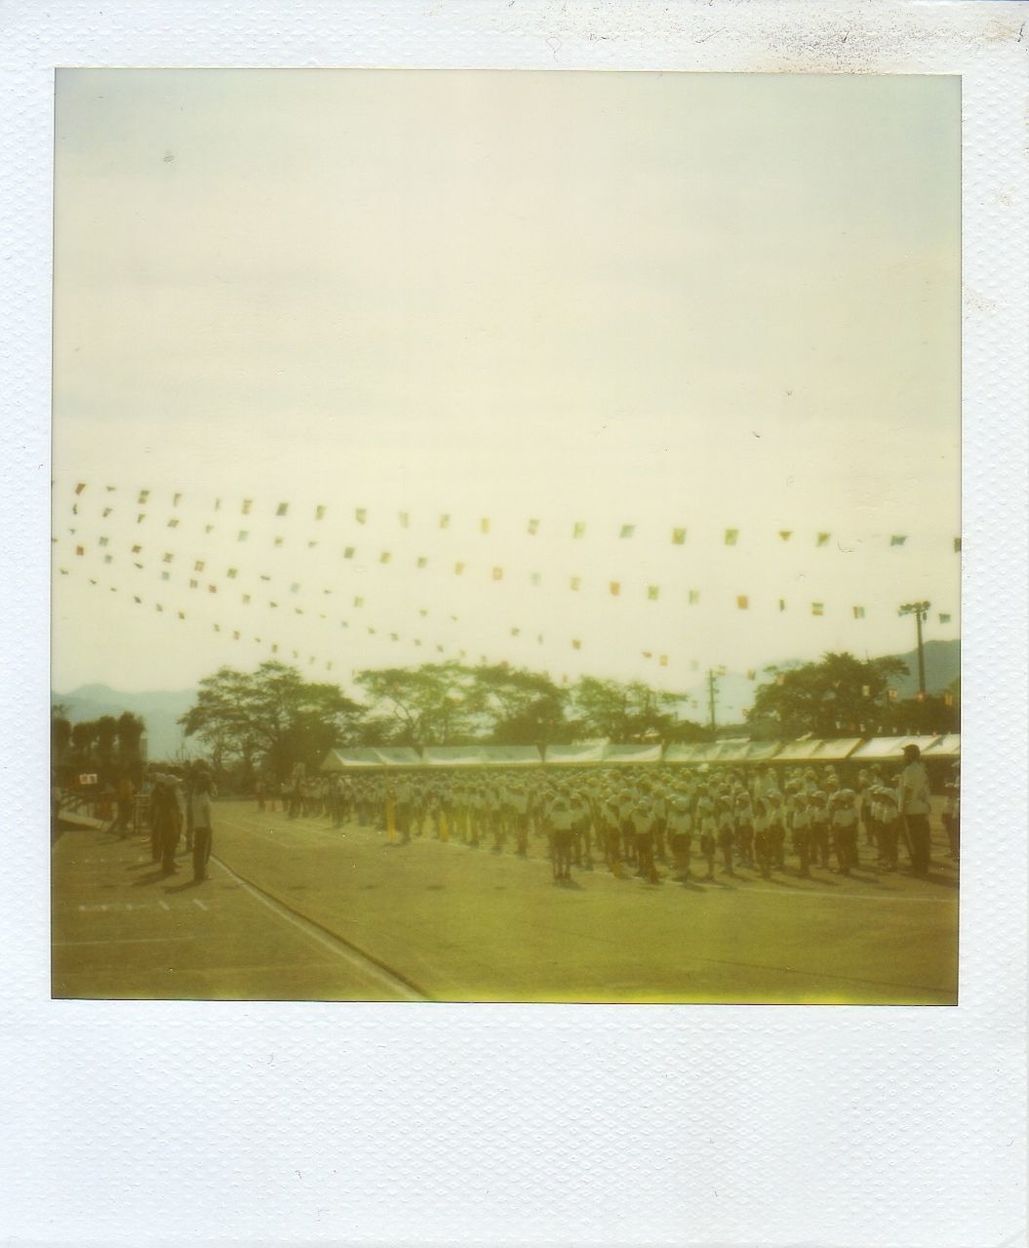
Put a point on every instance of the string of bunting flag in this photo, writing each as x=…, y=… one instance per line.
x=196, y=568
x=246, y=599
x=533, y=526
x=277, y=648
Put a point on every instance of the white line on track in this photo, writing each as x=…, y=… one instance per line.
x=164, y=905
x=198, y=902
x=351, y=956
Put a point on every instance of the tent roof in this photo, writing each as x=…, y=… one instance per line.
x=398, y=756
x=892, y=747
x=343, y=760
x=481, y=755
x=837, y=749
x=799, y=751
x=948, y=746
x=632, y=754
x=728, y=750
x=682, y=752
x=512, y=755
x=583, y=752
x=762, y=750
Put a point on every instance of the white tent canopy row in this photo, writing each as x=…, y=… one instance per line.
x=733, y=750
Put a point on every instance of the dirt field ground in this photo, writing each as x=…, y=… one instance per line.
x=295, y=910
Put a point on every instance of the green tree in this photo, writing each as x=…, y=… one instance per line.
x=627, y=712
x=106, y=736
x=932, y=715
x=271, y=717
x=130, y=736
x=434, y=704
x=519, y=707
x=839, y=695
x=60, y=734
x=83, y=734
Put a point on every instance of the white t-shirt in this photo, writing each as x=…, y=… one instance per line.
x=200, y=809
x=914, y=790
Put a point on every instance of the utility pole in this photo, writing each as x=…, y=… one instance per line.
x=711, y=697
x=920, y=610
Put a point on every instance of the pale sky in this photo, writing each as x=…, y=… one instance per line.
x=668, y=300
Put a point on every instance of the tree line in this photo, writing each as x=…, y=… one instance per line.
x=269, y=719
x=107, y=746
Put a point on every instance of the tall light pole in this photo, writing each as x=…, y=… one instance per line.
x=920, y=610
x=712, y=675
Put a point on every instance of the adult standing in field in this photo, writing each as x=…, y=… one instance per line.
x=166, y=816
x=186, y=790
x=914, y=808
x=952, y=819
x=126, y=799
x=843, y=805
x=200, y=811
x=403, y=796
x=561, y=819
x=644, y=820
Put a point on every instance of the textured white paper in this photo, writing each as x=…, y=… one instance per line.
x=178, y=1123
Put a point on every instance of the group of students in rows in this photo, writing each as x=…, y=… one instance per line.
x=637, y=818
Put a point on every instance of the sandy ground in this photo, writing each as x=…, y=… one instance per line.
x=295, y=910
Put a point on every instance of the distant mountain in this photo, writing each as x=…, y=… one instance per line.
x=942, y=668
x=159, y=709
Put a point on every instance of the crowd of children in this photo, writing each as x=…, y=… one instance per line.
x=633, y=819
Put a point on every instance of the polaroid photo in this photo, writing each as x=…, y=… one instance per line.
x=526, y=520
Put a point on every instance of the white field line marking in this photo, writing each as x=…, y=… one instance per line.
x=198, y=902
x=365, y=966
x=114, y=905
x=164, y=905
x=128, y=940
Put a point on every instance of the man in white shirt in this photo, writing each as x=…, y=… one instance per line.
x=914, y=807
x=200, y=811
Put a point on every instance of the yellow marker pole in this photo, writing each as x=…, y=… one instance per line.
x=391, y=819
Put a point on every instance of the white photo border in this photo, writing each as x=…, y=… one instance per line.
x=208, y=1123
